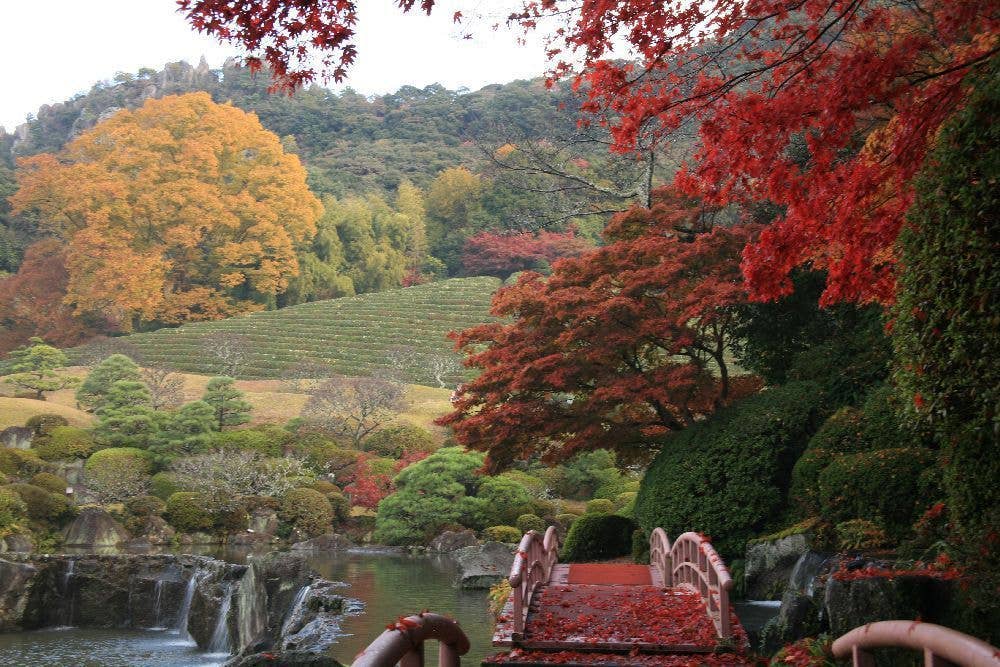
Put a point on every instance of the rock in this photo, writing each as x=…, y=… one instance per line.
x=16, y=581
x=769, y=565
x=328, y=542
x=16, y=437
x=157, y=531
x=449, y=541
x=485, y=565
x=849, y=604
x=18, y=542
x=94, y=527
x=199, y=538
x=313, y=622
x=264, y=522
x=284, y=658
x=248, y=538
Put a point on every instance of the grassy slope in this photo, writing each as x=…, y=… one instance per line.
x=16, y=411
x=351, y=334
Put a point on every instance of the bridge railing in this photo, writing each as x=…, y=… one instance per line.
x=533, y=563
x=941, y=646
x=692, y=561
x=404, y=643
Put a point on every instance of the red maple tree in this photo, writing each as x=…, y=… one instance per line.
x=825, y=108
x=492, y=254
x=616, y=348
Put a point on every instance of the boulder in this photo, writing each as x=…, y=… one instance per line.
x=313, y=622
x=264, y=522
x=485, y=565
x=17, y=542
x=16, y=581
x=328, y=542
x=769, y=565
x=16, y=437
x=248, y=538
x=449, y=541
x=156, y=531
x=286, y=658
x=853, y=603
x=94, y=527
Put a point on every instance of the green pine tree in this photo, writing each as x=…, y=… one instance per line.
x=96, y=386
x=34, y=368
x=227, y=402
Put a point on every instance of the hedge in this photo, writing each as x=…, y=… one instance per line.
x=600, y=506
x=598, y=536
x=188, y=512
x=505, y=534
x=727, y=476
x=42, y=505
x=64, y=442
x=118, y=473
x=19, y=462
x=308, y=510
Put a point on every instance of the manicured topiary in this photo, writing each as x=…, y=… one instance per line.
x=506, y=534
x=266, y=441
x=42, y=505
x=600, y=506
x=12, y=508
x=883, y=484
x=49, y=482
x=503, y=501
x=598, y=536
x=118, y=473
x=308, y=510
x=566, y=520
x=145, y=506
x=45, y=422
x=188, y=512
x=398, y=439
x=19, y=462
x=727, y=476
x=527, y=522
x=64, y=442
x=163, y=485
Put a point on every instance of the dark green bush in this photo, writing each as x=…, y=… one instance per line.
x=145, y=506
x=503, y=501
x=527, y=522
x=338, y=501
x=51, y=483
x=566, y=520
x=188, y=512
x=12, y=508
x=64, y=442
x=163, y=485
x=308, y=510
x=881, y=485
x=264, y=440
x=44, y=423
x=727, y=476
x=640, y=546
x=19, y=462
x=505, y=534
x=42, y=505
x=598, y=536
x=398, y=439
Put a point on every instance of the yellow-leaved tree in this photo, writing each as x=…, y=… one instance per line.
x=181, y=210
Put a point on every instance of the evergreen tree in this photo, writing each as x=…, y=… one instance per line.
x=184, y=432
x=95, y=388
x=126, y=417
x=34, y=368
x=226, y=402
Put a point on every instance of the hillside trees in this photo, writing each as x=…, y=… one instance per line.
x=35, y=367
x=181, y=210
x=617, y=348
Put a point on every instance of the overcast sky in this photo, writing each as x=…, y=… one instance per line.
x=53, y=49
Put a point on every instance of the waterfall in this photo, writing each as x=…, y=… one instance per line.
x=807, y=568
x=157, y=605
x=67, y=591
x=220, y=637
x=185, y=610
x=294, y=614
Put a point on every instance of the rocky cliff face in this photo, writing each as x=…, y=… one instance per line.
x=222, y=606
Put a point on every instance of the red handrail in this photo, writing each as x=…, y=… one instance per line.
x=533, y=563
x=940, y=645
x=692, y=561
x=404, y=644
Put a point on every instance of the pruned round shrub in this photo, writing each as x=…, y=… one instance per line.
x=42, y=505
x=625, y=503
x=163, y=485
x=255, y=503
x=338, y=501
x=727, y=476
x=527, y=522
x=12, y=508
x=505, y=534
x=503, y=501
x=145, y=506
x=266, y=441
x=64, y=442
x=118, y=473
x=598, y=536
x=600, y=506
x=49, y=482
x=566, y=520
x=19, y=462
x=883, y=484
x=188, y=512
x=45, y=422
x=308, y=510
x=398, y=439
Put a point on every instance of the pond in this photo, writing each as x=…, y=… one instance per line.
x=390, y=585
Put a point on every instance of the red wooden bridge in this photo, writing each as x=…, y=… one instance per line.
x=673, y=612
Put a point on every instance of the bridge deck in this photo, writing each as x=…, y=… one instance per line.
x=615, y=614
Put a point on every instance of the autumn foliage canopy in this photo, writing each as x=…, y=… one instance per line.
x=181, y=210
x=615, y=349
x=493, y=254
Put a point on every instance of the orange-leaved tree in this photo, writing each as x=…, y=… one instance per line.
x=181, y=210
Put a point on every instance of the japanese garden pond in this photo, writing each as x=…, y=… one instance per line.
x=389, y=585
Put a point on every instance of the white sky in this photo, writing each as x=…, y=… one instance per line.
x=51, y=50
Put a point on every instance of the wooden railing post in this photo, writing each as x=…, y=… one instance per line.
x=940, y=646
x=692, y=561
x=403, y=644
x=536, y=556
